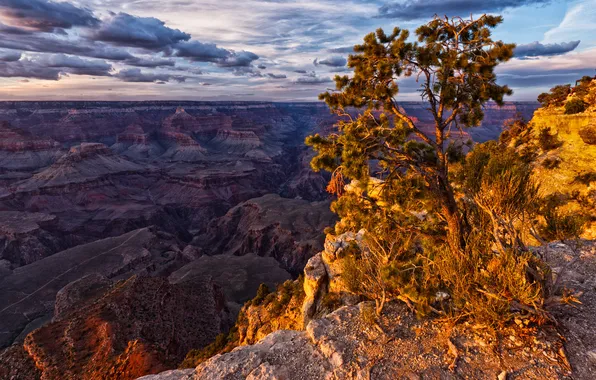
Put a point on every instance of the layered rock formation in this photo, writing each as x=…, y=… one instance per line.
x=289, y=230
x=87, y=162
x=27, y=237
x=235, y=141
x=349, y=344
x=22, y=151
x=75, y=223
x=139, y=326
x=28, y=293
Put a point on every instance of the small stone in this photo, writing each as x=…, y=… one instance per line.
x=502, y=376
x=592, y=355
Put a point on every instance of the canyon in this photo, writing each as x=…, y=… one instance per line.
x=106, y=206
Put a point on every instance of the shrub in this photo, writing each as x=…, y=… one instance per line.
x=575, y=105
x=585, y=178
x=588, y=134
x=556, y=97
x=547, y=140
x=551, y=162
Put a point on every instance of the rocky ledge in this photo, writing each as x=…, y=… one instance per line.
x=349, y=343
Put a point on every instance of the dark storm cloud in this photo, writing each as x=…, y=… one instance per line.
x=417, y=9
x=536, y=49
x=45, y=15
x=9, y=55
x=144, y=32
x=335, y=61
x=276, y=76
x=136, y=75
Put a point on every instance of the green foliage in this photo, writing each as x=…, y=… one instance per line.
x=435, y=220
x=560, y=225
x=588, y=134
x=547, y=140
x=275, y=304
x=262, y=292
x=575, y=105
x=223, y=343
x=492, y=288
x=585, y=178
x=556, y=97
x=551, y=163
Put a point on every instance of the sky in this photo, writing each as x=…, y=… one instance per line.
x=275, y=50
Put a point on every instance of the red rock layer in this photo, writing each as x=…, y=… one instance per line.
x=141, y=326
x=133, y=134
x=16, y=141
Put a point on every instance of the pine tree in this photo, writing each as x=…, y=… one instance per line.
x=453, y=61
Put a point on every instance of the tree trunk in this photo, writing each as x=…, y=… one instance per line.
x=456, y=231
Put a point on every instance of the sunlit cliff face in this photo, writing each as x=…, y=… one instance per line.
x=261, y=50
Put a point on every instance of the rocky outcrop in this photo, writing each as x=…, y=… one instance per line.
x=140, y=326
x=572, y=179
x=27, y=237
x=574, y=265
x=289, y=230
x=83, y=163
x=28, y=293
x=346, y=345
x=23, y=151
x=239, y=277
x=239, y=142
x=77, y=292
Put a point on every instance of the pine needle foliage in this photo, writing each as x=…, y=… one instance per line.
x=444, y=231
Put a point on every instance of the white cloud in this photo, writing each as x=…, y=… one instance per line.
x=579, y=23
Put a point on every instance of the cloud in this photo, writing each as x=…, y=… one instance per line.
x=52, y=44
x=342, y=50
x=76, y=65
x=144, y=32
x=137, y=76
x=9, y=55
x=536, y=49
x=247, y=71
x=53, y=67
x=276, y=76
x=419, y=9
x=335, y=61
x=262, y=67
x=577, y=24
x=45, y=15
x=547, y=71
x=201, y=52
x=207, y=52
x=312, y=78
x=27, y=68
x=238, y=59
x=300, y=71
x=150, y=62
